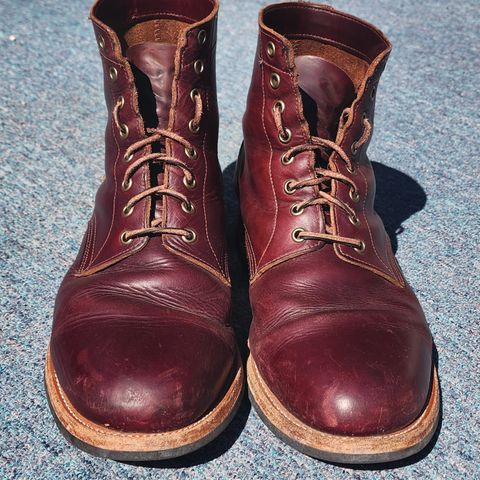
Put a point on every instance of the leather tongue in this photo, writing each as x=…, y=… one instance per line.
x=326, y=91
x=154, y=71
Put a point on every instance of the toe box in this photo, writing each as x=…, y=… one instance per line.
x=143, y=375
x=364, y=374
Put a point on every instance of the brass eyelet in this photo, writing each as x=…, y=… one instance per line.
x=279, y=105
x=202, y=37
x=190, y=153
x=286, y=136
x=127, y=210
x=289, y=189
x=354, y=148
x=270, y=49
x=296, y=210
x=354, y=195
x=191, y=184
x=286, y=160
x=192, y=127
x=127, y=185
x=194, y=93
x=198, y=66
x=354, y=220
x=352, y=171
x=101, y=42
x=124, y=131
x=188, y=207
x=124, y=238
x=190, y=237
x=128, y=158
x=275, y=80
x=361, y=248
x=121, y=102
x=295, y=235
x=113, y=73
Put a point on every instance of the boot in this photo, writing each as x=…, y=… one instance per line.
x=142, y=362
x=341, y=355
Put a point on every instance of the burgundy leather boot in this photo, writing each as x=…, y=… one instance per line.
x=142, y=362
x=341, y=355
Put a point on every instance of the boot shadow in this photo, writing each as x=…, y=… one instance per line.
x=398, y=197
x=240, y=320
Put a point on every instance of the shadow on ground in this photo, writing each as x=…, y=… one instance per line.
x=398, y=197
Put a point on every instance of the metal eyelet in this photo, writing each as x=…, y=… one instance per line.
x=275, y=80
x=354, y=220
x=295, y=235
x=354, y=195
x=364, y=116
x=190, y=153
x=192, y=127
x=354, y=148
x=361, y=248
x=128, y=158
x=279, y=105
x=121, y=102
x=352, y=171
x=289, y=189
x=124, y=131
x=270, y=49
x=198, y=66
x=194, y=93
x=286, y=136
x=202, y=37
x=101, y=42
x=286, y=160
x=127, y=185
x=296, y=210
x=124, y=239
x=188, y=207
x=113, y=73
x=190, y=237
x=127, y=210
x=191, y=184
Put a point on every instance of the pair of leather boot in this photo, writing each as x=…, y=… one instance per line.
x=142, y=362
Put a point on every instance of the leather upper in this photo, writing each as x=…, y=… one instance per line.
x=337, y=333
x=141, y=339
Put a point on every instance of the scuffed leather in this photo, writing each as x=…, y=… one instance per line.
x=143, y=345
x=140, y=339
x=338, y=335
x=346, y=351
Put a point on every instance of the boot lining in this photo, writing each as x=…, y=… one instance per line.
x=353, y=66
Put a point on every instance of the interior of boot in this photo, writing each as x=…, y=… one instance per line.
x=160, y=30
x=352, y=65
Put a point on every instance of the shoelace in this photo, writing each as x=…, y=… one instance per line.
x=323, y=175
x=156, y=135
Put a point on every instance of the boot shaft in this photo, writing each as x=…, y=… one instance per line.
x=315, y=76
x=159, y=73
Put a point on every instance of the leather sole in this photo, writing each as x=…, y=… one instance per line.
x=339, y=448
x=128, y=446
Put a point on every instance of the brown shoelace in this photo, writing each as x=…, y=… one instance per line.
x=156, y=135
x=323, y=175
